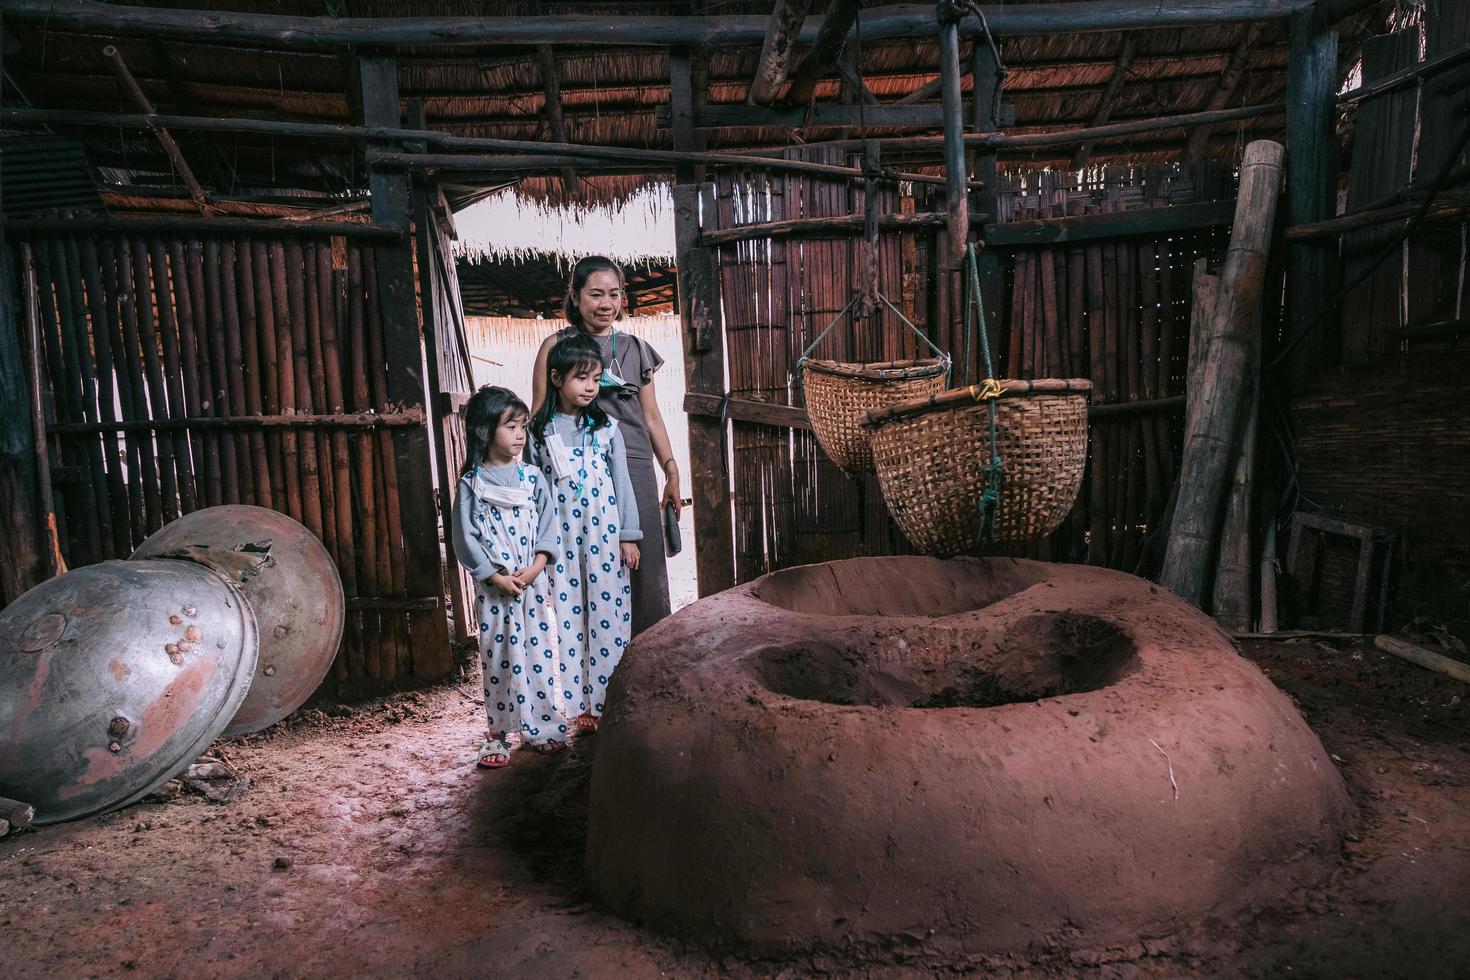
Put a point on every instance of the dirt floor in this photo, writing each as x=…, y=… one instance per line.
x=368, y=845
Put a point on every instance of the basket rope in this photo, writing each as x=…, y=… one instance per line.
x=989, y=391
x=857, y=297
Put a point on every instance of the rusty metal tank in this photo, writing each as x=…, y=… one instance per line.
x=114, y=678
x=292, y=584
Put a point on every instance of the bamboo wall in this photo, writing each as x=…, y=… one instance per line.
x=181, y=373
x=1114, y=311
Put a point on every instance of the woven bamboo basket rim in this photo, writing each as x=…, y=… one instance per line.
x=909, y=370
x=1009, y=387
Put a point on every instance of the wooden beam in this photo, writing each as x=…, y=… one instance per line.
x=1311, y=185
x=822, y=114
x=193, y=224
x=1126, y=53
x=1115, y=224
x=836, y=226
x=957, y=192
x=791, y=417
x=175, y=155
x=825, y=52
x=1225, y=88
x=777, y=50
x=403, y=350
x=1447, y=208
x=856, y=84
x=988, y=77
x=898, y=21
x=1405, y=76
x=1428, y=659
x=551, y=83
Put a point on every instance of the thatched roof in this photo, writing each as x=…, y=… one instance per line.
x=609, y=95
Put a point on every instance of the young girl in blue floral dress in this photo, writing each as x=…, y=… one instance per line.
x=504, y=533
x=581, y=453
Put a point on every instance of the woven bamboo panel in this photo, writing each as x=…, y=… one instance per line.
x=839, y=397
x=932, y=468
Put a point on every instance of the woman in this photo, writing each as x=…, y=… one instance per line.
x=594, y=303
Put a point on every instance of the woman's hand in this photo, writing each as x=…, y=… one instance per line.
x=507, y=584
x=671, y=489
x=629, y=552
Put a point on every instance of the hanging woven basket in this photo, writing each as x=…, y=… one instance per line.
x=840, y=395
x=933, y=459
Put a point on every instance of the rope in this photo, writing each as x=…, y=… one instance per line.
x=989, y=390
x=857, y=298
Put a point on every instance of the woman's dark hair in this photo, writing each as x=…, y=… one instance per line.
x=581, y=272
x=569, y=355
x=483, y=413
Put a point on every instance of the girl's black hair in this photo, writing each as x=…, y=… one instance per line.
x=483, y=413
x=574, y=352
x=581, y=272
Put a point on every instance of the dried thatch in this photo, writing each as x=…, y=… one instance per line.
x=608, y=95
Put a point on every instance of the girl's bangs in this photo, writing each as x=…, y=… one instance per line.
x=591, y=364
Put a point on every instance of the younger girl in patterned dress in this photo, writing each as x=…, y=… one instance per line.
x=581, y=452
x=504, y=534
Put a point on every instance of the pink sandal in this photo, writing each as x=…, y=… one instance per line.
x=586, y=724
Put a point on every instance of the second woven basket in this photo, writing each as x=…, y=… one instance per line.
x=933, y=457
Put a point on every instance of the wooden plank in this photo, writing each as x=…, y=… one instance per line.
x=1141, y=221
x=897, y=21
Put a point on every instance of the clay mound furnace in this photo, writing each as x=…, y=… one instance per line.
x=948, y=757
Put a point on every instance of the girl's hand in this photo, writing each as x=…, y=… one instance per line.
x=529, y=574
x=507, y=584
x=671, y=489
x=629, y=551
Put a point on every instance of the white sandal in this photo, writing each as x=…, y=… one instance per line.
x=490, y=750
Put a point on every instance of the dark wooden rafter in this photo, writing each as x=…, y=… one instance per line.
x=957, y=202
x=825, y=52
x=777, y=50
x=165, y=139
x=855, y=83
x=897, y=21
x=551, y=82
x=1226, y=88
x=1127, y=52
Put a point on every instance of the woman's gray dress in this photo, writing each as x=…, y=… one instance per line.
x=635, y=361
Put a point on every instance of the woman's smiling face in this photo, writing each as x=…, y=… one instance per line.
x=600, y=301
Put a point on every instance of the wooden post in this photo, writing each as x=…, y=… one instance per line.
x=20, y=554
x=958, y=203
x=1212, y=434
x=988, y=75
x=826, y=49
x=704, y=352
x=403, y=353
x=1311, y=184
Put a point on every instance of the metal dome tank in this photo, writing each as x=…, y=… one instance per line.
x=115, y=677
x=293, y=585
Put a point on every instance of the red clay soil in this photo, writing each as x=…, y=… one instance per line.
x=404, y=859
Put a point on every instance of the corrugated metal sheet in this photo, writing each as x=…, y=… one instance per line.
x=40, y=172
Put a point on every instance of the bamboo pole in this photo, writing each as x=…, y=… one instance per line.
x=311, y=489
x=49, y=536
x=957, y=201
x=175, y=156
x=230, y=300
x=75, y=354
x=367, y=569
x=224, y=370
x=117, y=489
x=341, y=461
x=265, y=311
x=392, y=560
x=1428, y=659
x=1211, y=436
x=152, y=461
x=127, y=383
x=208, y=403
x=184, y=300
x=317, y=385
x=250, y=368
x=158, y=404
x=168, y=330
x=285, y=377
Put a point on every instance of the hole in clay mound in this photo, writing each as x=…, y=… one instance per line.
x=1041, y=656
x=895, y=586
